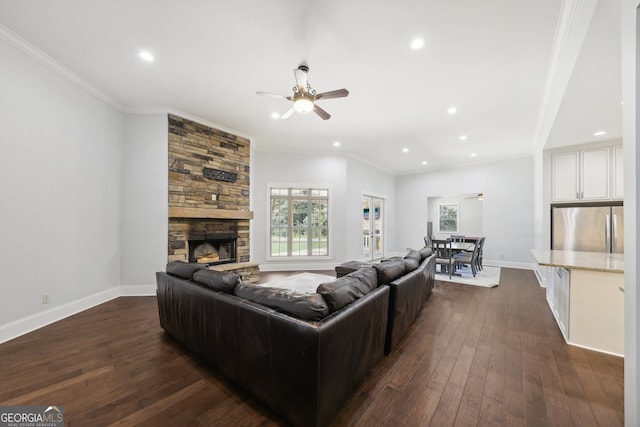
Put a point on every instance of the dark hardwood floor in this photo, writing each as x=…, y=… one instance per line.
x=474, y=356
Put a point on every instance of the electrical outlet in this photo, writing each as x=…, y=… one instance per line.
x=214, y=197
x=45, y=298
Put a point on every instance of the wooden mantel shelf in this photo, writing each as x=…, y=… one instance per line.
x=210, y=213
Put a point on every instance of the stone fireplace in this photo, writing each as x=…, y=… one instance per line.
x=212, y=248
x=209, y=198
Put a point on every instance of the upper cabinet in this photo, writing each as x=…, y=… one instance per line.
x=586, y=175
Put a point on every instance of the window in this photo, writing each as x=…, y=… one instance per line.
x=448, y=218
x=299, y=222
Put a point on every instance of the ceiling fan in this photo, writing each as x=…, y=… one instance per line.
x=304, y=96
x=480, y=197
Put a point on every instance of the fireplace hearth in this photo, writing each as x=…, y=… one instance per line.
x=213, y=248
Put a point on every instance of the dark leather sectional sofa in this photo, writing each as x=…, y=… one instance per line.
x=302, y=355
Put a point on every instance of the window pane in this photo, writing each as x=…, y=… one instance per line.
x=280, y=192
x=299, y=222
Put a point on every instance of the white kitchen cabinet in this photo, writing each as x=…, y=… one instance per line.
x=581, y=175
x=585, y=291
x=618, y=180
x=558, y=297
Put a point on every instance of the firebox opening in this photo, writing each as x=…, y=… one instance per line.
x=212, y=250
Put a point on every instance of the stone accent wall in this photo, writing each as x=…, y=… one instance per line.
x=192, y=147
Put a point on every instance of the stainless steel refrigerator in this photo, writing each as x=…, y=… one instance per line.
x=588, y=228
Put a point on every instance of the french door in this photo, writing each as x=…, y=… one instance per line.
x=372, y=227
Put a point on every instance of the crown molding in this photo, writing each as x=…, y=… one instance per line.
x=54, y=65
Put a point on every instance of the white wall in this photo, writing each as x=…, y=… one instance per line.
x=469, y=214
x=363, y=179
x=60, y=189
x=347, y=178
x=508, y=210
x=145, y=199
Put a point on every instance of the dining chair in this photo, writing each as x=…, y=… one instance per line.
x=427, y=241
x=480, y=245
x=468, y=258
x=444, y=256
x=457, y=238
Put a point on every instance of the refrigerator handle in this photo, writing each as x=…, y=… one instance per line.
x=607, y=232
x=614, y=232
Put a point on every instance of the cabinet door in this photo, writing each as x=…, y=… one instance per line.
x=562, y=298
x=564, y=177
x=551, y=288
x=618, y=180
x=594, y=174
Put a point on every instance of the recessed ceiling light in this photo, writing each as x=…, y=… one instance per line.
x=336, y=144
x=417, y=43
x=599, y=133
x=424, y=162
x=452, y=110
x=405, y=150
x=275, y=115
x=463, y=137
x=145, y=55
x=473, y=154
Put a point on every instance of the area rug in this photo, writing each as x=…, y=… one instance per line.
x=302, y=283
x=488, y=277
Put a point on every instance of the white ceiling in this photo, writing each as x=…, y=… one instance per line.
x=500, y=62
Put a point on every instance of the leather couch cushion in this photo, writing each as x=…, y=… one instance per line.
x=224, y=281
x=410, y=264
x=389, y=271
x=347, y=289
x=425, y=253
x=413, y=254
x=184, y=270
x=302, y=306
x=349, y=267
x=411, y=260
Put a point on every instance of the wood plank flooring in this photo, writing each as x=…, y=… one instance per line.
x=474, y=357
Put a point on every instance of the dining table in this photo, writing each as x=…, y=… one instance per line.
x=463, y=246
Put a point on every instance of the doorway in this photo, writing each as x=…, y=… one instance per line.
x=372, y=227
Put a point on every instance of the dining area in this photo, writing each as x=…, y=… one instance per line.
x=457, y=255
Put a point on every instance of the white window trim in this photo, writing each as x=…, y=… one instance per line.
x=315, y=185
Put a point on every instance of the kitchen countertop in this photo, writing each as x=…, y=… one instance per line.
x=594, y=261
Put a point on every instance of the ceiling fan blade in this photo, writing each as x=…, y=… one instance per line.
x=340, y=93
x=272, y=95
x=301, y=78
x=288, y=114
x=323, y=114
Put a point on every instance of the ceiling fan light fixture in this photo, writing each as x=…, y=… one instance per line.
x=303, y=103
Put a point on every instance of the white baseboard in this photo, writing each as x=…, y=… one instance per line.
x=138, y=291
x=30, y=323
x=509, y=264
